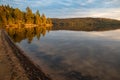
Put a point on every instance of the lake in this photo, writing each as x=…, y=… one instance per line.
x=73, y=55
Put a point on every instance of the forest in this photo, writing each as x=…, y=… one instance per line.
x=10, y=17
x=13, y=16
x=85, y=24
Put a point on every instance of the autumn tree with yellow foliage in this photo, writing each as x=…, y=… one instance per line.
x=9, y=16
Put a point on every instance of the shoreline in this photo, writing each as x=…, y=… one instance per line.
x=27, y=25
x=26, y=68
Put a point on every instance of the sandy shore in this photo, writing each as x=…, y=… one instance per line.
x=14, y=64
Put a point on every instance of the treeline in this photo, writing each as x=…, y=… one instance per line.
x=85, y=24
x=9, y=16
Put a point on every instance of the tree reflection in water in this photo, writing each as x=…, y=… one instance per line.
x=72, y=55
x=19, y=34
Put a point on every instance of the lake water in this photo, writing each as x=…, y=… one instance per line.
x=76, y=55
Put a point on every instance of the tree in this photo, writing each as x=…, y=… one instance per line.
x=49, y=21
x=18, y=16
x=37, y=18
x=29, y=16
x=43, y=19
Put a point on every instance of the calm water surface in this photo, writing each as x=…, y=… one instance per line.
x=76, y=55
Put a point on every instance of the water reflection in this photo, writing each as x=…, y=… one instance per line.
x=77, y=55
x=19, y=34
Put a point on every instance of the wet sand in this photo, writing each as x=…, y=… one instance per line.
x=14, y=64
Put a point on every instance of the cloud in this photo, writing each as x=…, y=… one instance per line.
x=70, y=8
x=86, y=2
x=113, y=13
x=111, y=1
x=90, y=1
x=107, y=35
x=105, y=12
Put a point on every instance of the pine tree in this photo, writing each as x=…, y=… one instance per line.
x=49, y=21
x=18, y=15
x=11, y=16
x=43, y=19
x=37, y=18
x=29, y=17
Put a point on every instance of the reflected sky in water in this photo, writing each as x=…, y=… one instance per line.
x=77, y=55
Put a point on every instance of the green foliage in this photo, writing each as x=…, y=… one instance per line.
x=10, y=16
x=86, y=24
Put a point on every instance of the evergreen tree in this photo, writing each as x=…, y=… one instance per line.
x=9, y=16
x=43, y=19
x=18, y=16
x=29, y=16
x=37, y=18
x=49, y=21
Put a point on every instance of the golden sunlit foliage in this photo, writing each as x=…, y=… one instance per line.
x=19, y=34
x=12, y=16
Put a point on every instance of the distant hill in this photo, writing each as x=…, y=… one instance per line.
x=85, y=24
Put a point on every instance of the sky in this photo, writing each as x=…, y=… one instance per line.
x=70, y=8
